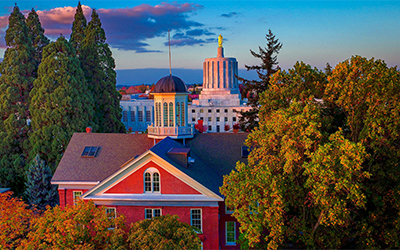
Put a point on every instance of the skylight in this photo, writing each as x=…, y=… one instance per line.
x=90, y=152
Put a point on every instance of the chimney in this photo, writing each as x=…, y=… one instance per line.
x=180, y=156
x=88, y=130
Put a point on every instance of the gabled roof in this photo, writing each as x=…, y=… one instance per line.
x=115, y=150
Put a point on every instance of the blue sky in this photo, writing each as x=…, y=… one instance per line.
x=315, y=32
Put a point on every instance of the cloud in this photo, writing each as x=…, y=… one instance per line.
x=229, y=15
x=129, y=28
x=187, y=39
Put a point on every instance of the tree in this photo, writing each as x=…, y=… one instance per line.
x=83, y=226
x=249, y=119
x=39, y=191
x=61, y=104
x=17, y=75
x=14, y=220
x=322, y=170
x=36, y=35
x=164, y=232
x=98, y=66
x=78, y=29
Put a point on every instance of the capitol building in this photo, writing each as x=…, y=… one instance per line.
x=218, y=104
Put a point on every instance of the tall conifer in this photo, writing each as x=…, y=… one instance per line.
x=17, y=76
x=78, y=29
x=98, y=66
x=254, y=88
x=36, y=34
x=61, y=104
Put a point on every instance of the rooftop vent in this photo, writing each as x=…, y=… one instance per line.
x=180, y=156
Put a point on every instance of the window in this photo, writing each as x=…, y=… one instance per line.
x=234, y=119
x=195, y=218
x=178, y=113
x=124, y=116
x=183, y=114
x=148, y=116
x=151, y=181
x=90, y=152
x=111, y=212
x=209, y=119
x=229, y=210
x=140, y=116
x=201, y=110
x=76, y=196
x=234, y=110
x=193, y=111
x=209, y=128
x=201, y=118
x=133, y=118
x=158, y=114
x=209, y=111
x=230, y=232
x=226, y=110
x=165, y=114
x=217, y=110
x=217, y=119
x=171, y=114
x=218, y=128
x=193, y=119
x=226, y=119
x=150, y=213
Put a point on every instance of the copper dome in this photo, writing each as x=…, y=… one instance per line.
x=170, y=84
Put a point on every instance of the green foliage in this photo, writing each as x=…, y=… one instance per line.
x=39, y=191
x=36, y=35
x=164, y=232
x=78, y=29
x=98, y=66
x=61, y=104
x=14, y=221
x=249, y=119
x=323, y=172
x=17, y=76
x=83, y=226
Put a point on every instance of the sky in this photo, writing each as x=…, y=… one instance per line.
x=315, y=32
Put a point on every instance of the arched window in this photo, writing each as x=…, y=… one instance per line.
x=183, y=114
x=151, y=181
x=165, y=114
x=158, y=120
x=171, y=114
x=178, y=114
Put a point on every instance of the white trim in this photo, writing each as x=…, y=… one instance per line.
x=152, y=171
x=75, y=182
x=152, y=212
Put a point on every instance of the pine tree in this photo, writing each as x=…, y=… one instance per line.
x=60, y=102
x=78, y=29
x=39, y=190
x=254, y=88
x=36, y=34
x=98, y=66
x=17, y=76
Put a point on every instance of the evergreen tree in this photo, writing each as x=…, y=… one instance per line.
x=39, y=190
x=17, y=76
x=36, y=34
x=254, y=88
x=98, y=66
x=60, y=102
x=78, y=29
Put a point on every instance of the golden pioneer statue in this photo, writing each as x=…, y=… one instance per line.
x=220, y=38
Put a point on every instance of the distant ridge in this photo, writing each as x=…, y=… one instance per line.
x=150, y=75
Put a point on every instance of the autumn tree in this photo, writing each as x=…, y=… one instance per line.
x=15, y=220
x=164, y=232
x=98, y=66
x=17, y=75
x=83, y=226
x=321, y=173
x=60, y=104
x=269, y=65
x=39, y=191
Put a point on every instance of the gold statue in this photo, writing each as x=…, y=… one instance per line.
x=220, y=41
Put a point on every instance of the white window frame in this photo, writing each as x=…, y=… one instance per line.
x=152, y=171
x=75, y=196
x=228, y=211
x=152, y=213
x=201, y=218
x=107, y=209
x=230, y=243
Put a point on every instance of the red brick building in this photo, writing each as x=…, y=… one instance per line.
x=171, y=170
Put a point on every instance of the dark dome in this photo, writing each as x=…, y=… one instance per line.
x=170, y=84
